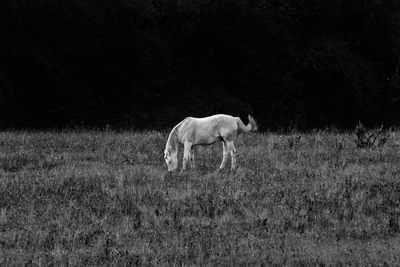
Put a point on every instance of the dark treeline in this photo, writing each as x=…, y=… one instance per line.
x=150, y=63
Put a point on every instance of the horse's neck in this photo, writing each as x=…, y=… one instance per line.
x=173, y=139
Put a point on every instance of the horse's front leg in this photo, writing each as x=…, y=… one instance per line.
x=224, y=155
x=186, y=155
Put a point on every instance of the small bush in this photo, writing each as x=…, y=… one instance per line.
x=365, y=138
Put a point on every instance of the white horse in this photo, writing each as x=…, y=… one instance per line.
x=205, y=131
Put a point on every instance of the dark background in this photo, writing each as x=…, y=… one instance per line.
x=149, y=63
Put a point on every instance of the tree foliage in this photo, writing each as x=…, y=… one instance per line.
x=150, y=63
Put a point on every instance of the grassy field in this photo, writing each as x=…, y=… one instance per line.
x=101, y=198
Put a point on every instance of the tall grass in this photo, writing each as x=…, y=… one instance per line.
x=91, y=198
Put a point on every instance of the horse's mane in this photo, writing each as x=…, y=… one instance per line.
x=172, y=141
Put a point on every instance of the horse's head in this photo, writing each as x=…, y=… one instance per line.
x=171, y=158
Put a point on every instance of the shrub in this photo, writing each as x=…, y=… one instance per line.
x=370, y=138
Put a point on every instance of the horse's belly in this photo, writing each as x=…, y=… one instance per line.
x=205, y=140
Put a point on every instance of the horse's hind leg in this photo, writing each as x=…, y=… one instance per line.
x=225, y=153
x=186, y=155
x=232, y=152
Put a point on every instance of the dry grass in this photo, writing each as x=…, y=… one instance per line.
x=90, y=198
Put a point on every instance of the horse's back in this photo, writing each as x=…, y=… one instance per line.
x=218, y=118
x=219, y=125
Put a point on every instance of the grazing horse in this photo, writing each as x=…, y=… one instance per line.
x=205, y=131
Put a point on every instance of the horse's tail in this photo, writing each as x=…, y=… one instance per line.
x=251, y=126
